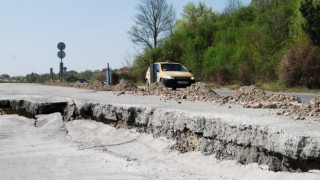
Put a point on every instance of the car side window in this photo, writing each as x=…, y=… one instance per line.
x=157, y=67
x=164, y=67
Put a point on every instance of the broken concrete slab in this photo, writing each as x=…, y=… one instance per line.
x=246, y=135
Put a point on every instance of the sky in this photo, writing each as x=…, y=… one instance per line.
x=95, y=33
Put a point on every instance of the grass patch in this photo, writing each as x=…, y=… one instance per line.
x=279, y=87
x=14, y=82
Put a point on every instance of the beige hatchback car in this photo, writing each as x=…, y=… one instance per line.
x=173, y=75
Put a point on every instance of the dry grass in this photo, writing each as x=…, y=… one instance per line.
x=300, y=66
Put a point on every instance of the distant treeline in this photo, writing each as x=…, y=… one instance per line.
x=266, y=41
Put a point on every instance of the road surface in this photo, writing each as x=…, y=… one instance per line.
x=92, y=150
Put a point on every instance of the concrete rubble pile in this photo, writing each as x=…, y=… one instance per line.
x=198, y=92
x=80, y=85
x=311, y=109
x=247, y=94
x=125, y=85
x=157, y=89
x=280, y=101
x=56, y=83
x=254, y=97
x=95, y=85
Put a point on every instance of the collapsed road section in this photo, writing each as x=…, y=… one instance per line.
x=280, y=145
x=227, y=132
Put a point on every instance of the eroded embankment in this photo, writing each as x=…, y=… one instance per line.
x=223, y=137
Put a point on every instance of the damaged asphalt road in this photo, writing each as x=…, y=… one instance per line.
x=240, y=121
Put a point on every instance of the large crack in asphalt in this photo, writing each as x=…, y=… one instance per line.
x=212, y=136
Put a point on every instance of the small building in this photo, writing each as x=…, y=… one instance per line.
x=4, y=77
x=34, y=74
x=124, y=69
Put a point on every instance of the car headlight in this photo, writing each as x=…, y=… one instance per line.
x=169, y=77
x=192, y=78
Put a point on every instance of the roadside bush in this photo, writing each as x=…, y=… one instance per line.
x=100, y=77
x=115, y=78
x=245, y=73
x=222, y=76
x=71, y=78
x=300, y=66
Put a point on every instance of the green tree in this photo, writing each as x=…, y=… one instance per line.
x=88, y=74
x=195, y=33
x=43, y=78
x=71, y=78
x=243, y=44
x=310, y=10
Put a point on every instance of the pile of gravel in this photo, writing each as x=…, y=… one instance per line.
x=125, y=85
x=56, y=83
x=95, y=85
x=198, y=92
x=311, y=109
x=247, y=94
x=283, y=98
x=158, y=89
x=80, y=85
x=254, y=97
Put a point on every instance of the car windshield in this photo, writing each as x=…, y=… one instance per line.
x=173, y=67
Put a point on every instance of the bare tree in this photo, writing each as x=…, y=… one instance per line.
x=128, y=60
x=154, y=19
